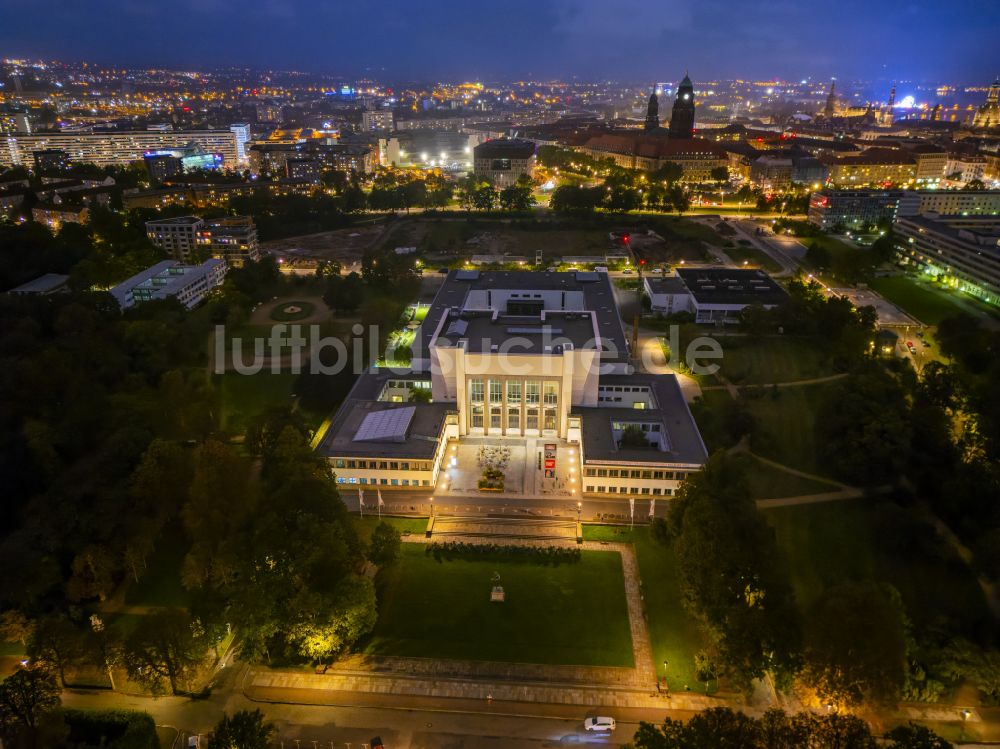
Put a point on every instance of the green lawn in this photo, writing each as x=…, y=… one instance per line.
x=160, y=583
x=365, y=525
x=771, y=483
x=753, y=257
x=929, y=305
x=674, y=633
x=242, y=397
x=292, y=310
x=571, y=613
x=868, y=539
x=786, y=426
x=763, y=360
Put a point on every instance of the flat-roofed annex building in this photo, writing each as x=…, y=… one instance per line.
x=518, y=357
x=713, y=295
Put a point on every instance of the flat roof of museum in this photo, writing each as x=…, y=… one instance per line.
x=346, y=435
x=683, y=439
x=598, y=297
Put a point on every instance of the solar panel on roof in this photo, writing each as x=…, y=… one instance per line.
x=467, y=275
x=457, y=327
x=389, y=425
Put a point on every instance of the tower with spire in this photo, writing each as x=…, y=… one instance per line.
x=830, y=110
x=682, y=115
x=653, y=112
x=887, y=117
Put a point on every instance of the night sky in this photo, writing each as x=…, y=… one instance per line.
x=635, y=40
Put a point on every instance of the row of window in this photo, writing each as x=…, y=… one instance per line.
x=635, y=473
x=383, y=482
x=656, y=491
x=534, y=392
x=638, y=405
x=646, y=426
x=623, y=389
x=384, y=465
x=477, y=418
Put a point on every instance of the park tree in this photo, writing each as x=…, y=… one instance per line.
x=855, y=650
x=245, y=729
x=731, y=574
x=865, y=422
x=516, y=198
x=485, y=198
x=912, y=736
x=58, y=643
x=16, y=627
x=679, y=199
x=720, y=175
x=94, y=570
x=27, y=699
x=383, y=548
x=163, y=651
x=220, y=500
x=670, y=173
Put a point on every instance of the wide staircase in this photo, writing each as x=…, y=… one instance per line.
x=452, y=527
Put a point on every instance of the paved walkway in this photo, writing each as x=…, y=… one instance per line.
x=514, y=682
x=791, y=384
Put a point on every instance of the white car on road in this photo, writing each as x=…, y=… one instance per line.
x=600, y=723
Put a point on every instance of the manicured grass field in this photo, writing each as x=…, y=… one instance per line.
x=771, y=483
x=755, y=258
x=292, y=310
x=786, y=426
x=674, y=633
x=241, y=397
x=763, y=360
x=929, y=305
x=867, y=539
x=160, y=583
x=365, y=525
x=571, y=613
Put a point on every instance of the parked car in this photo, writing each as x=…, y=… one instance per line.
x=443, y=270
x=657, y=270
x=599, y=723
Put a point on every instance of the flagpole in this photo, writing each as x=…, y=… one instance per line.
x=361, y=502
x=380, y=503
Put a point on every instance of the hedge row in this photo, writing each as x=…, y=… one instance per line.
x=449, y=550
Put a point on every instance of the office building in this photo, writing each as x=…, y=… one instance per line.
x=538, y=362
x=650, y=151
x=241, y=132
x=853, y=209
x=713, y=295
x=503, y=161
x=951, y=202
x=230, y=238
x=874, y=167
x=190, y=238
x=177, y=236
x=189, y=284
x=272, y=158
x=116, y=147
x=963, y=251
x=376, y=120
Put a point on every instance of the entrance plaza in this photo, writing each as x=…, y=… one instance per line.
x=524, y=471
x=521, y=385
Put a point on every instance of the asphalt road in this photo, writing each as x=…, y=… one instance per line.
x=352, y=720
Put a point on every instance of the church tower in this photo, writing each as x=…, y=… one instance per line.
x=831, y=102
x=682, y=116
x=653, y=112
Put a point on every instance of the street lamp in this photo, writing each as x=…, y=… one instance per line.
x=579, y=511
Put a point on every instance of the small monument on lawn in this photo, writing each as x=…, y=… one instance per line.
x=497, y=594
